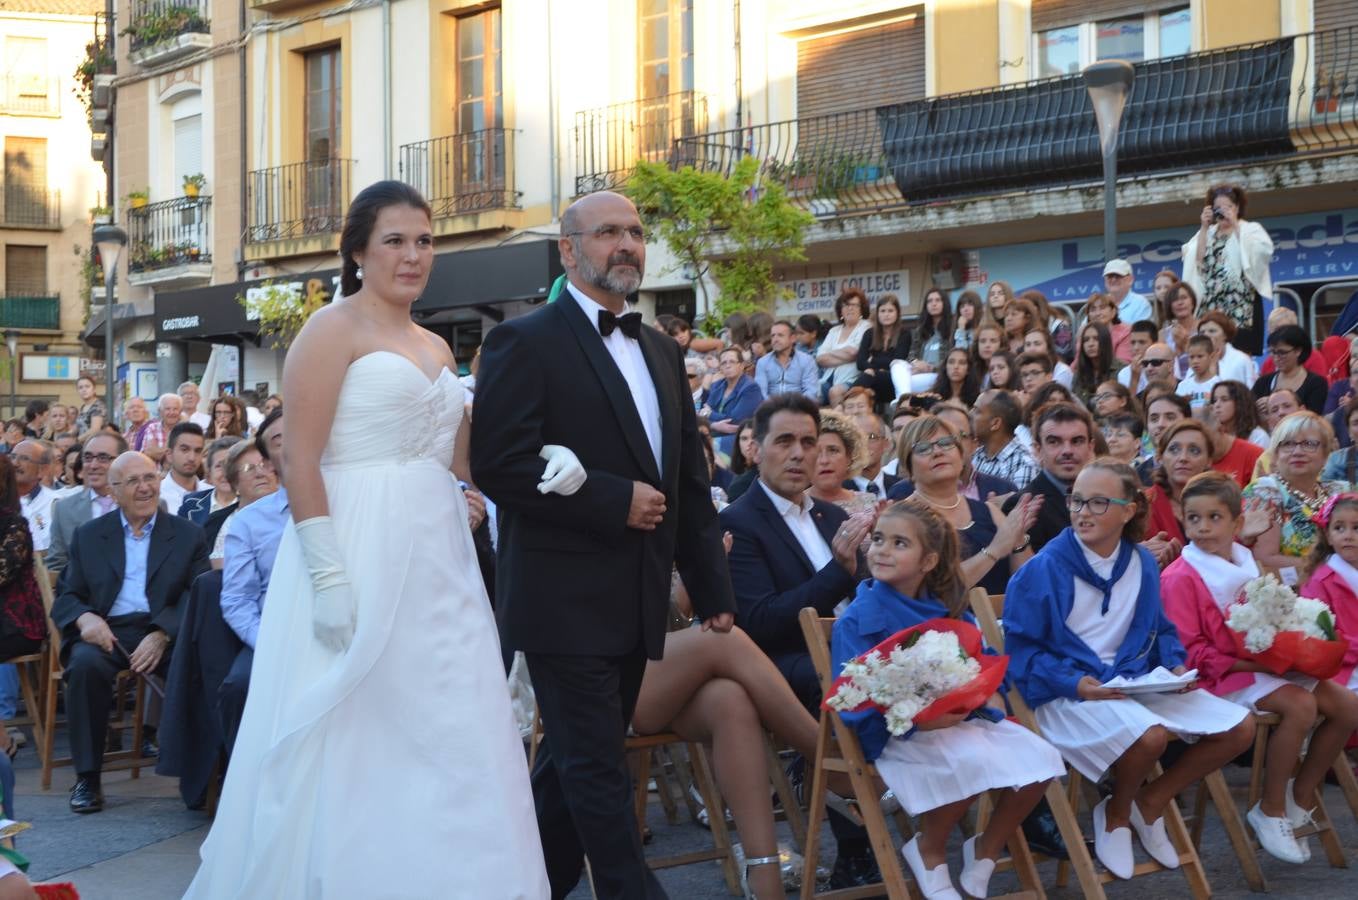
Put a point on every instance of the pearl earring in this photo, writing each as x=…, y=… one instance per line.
x=358, y=273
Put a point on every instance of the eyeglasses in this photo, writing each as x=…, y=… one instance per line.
x=19, y=457
x=1097, y=505
x=876, y=436
x=1106, y=395
x=1311, y=445
x=250, y=467
x=1153, y=362
x=924, y=448
x=138, y=480
x=612, y=234
x=103, y=458
x=1281, y=351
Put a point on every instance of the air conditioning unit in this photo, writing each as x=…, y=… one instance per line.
x=949, y=270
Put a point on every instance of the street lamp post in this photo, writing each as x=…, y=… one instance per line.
x=12, y=342
x=1109, y=82
x=110, y=239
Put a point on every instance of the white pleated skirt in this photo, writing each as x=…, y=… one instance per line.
x=935, y=768
x=1093, y=734
x=1266, y=683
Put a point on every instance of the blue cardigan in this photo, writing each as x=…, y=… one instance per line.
x=737, y=406
x=1047, y=659
x=876, y=613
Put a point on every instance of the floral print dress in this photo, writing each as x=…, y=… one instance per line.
x=1226, y=287
x=1299, y=534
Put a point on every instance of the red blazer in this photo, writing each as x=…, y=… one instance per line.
x=1162, y=515
x=1328, y=585
x=1202, y=629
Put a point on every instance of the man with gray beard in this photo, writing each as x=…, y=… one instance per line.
x=583, y=575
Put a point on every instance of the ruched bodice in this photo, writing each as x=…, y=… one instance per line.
x=389, y=412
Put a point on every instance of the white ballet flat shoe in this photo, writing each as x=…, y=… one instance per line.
x=975, y=877
x=1275, y=836
x=1298, y=817
x=935, y=883
x=1113, y=848
x=1154, y=839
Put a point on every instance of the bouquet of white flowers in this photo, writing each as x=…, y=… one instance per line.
x=916, y=675
x=1284, y=632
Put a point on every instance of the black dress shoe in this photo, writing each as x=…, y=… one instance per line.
x=855, y=870
x=1042, y=834
x=86, y=797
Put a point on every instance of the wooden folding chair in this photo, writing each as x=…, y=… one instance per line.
x=838, y=750
x=642, y=752
x=988, y=610
x=115, y=760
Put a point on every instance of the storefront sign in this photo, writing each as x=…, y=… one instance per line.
x=817, y=295
x=1319, y=246
x=48, y=367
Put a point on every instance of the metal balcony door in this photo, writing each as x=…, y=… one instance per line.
x=26, y=181
x=321, y=195
x=478, y=155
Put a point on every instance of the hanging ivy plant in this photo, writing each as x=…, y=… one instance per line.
x=282, y=309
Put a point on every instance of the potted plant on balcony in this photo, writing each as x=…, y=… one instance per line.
x=194, y=184
x=138, y=199
x=101, y=215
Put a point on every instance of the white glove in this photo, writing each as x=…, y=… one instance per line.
x=333, y=613
x=564, y=475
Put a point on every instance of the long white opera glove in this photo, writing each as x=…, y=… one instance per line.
x=333, y=613
x=564, y=475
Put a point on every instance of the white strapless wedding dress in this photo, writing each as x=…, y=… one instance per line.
x=395, y=769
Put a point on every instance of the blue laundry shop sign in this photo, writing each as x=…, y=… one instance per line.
x=1311, y=247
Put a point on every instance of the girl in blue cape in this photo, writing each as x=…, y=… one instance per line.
x=938, y=769
x=1087, y=609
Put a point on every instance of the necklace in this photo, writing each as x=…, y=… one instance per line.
x=932, y=502
x=1311, y=501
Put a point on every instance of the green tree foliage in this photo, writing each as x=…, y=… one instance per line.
x=736, y=226
x=282, y=309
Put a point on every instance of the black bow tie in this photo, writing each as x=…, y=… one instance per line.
x=630, y=323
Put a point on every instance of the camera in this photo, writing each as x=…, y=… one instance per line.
x=1217, y=215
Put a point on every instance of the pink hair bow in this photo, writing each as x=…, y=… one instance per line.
x=1322, y=518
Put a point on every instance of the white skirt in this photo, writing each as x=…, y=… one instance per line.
x=1266, y=683
x=935, y=768
x=1093, y=734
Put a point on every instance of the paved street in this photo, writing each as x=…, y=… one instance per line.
x=144, y=845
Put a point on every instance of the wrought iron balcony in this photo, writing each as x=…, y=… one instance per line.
x=30, y=95
x=30, y=311
x=157, y=23
x=29, y=206
x=297, y=200
x=1269, y=100
x=463, y=173
x=609, y=140
x=169, y=233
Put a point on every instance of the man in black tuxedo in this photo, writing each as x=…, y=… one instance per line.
x=118, y=606
x=583, y=581
x=790, y=551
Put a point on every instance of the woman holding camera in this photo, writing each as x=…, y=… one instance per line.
x=1226, y=263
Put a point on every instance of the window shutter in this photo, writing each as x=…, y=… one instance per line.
x=861, y=69
x=25, y=271
x=1335, y=14
x=188, y=147
x=1048, y=14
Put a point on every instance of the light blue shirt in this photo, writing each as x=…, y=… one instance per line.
x=801, y=374
x=251, y=546
x=132, y=595
x=1134, y=308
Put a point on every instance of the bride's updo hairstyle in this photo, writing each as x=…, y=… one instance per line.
x=362, y=217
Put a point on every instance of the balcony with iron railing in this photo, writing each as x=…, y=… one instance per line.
x=298, y=201
x=30, y=95
x=30, y=311
x=1266, y=101
x=170, y=242
x=30, y=207
x=162, y=30
x=610, y=139
x=463, y=174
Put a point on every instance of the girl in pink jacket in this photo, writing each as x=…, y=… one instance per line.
x=1334, y=578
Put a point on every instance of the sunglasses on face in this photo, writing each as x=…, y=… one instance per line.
x=1154, y=363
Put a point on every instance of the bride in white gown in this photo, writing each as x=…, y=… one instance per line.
x=377, y=757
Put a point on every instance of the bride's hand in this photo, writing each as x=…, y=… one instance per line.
x=564, y=474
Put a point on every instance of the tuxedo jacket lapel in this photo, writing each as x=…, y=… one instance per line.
x=663, y=378
x=610, y=378
x=824, y=526
x=780, y=527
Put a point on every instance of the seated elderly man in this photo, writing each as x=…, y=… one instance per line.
x=252, y=538
x=791, y=551
x=118, y=606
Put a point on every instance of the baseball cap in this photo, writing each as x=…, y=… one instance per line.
x=1117, y=267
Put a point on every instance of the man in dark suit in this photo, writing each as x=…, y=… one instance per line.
x=1064, y=435
x=790, y=551
x=872, y=479
x=583, y=581
x=118, y=606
